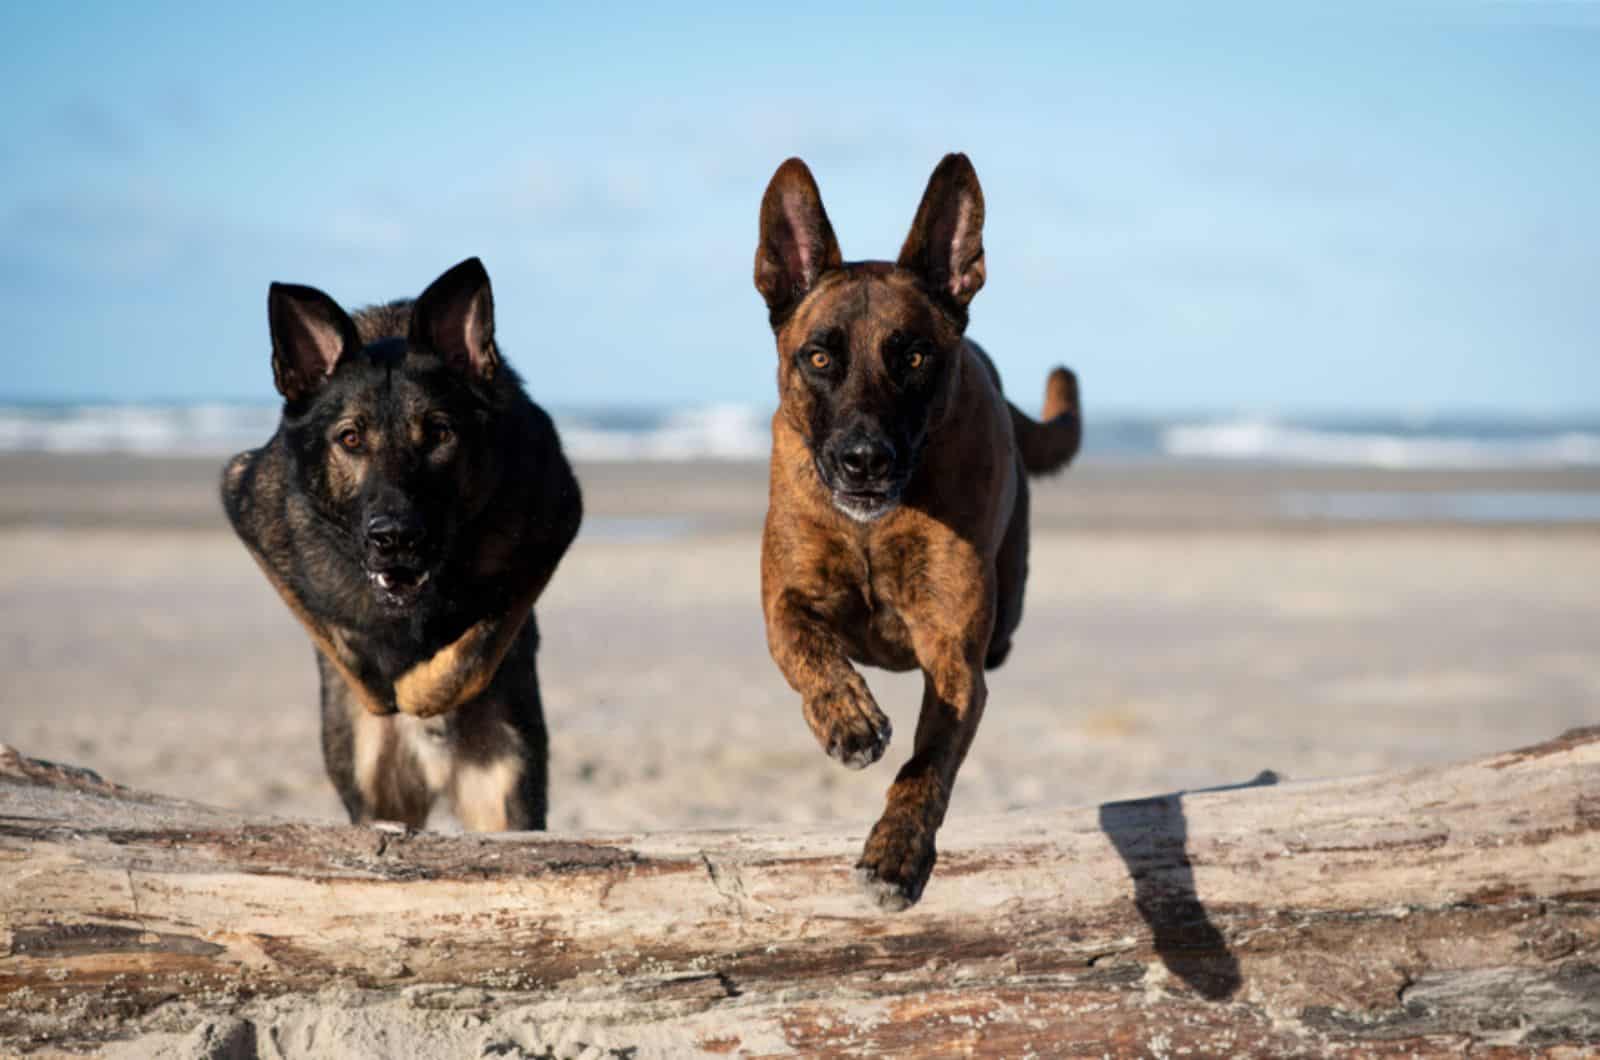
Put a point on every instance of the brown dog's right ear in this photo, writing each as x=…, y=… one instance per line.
x=945, y=245
x=309, y=335
x=797, y=243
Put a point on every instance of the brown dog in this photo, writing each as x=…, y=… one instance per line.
x=897, y=526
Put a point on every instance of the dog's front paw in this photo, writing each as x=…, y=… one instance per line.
x=897, y=862
x=849, y=726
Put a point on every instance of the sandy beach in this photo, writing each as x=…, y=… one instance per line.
x=1186, y=626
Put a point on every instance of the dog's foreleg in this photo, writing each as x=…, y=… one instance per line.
x=369, y=688
x=837, y=705
x=900, y=853
x=457, y=672
x=460, y=671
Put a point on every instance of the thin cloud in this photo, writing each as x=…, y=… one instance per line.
x=91, y=126
x=184, y=109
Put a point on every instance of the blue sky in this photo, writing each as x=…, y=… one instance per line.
x=1339, y=207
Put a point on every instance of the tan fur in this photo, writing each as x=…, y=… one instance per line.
x=448, y=679
x=461, y=670
x=403, y=764
x=480, y=791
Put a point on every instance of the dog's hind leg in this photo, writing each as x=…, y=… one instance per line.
x=499, y=779
x=499, y=783
x=1011, y=577
x=402, y=764
x=339, y=740
x=369, y=759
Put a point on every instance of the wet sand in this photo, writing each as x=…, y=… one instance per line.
x=1186, y=626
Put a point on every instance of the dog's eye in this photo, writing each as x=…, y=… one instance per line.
x=440, y=432
x=350, y=439
x=916, y=360
x=820, y=360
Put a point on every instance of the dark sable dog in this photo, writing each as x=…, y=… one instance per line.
x=897, y=528
x=410, y=509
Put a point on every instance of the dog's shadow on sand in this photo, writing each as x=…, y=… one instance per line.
x=1152, y=836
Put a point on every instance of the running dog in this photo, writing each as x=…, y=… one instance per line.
x=897, y=526
x=411, y=507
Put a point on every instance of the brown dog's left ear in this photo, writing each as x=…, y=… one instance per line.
x=945, y=245
x=797, y=243
x=454, y=317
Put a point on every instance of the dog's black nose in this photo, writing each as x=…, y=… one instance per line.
x=388, y=534
x=865, y=460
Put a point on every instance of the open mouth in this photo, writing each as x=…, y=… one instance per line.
x=865, y=506
x=398, y=586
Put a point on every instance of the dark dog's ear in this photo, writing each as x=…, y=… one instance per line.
x=309, y=335
x=797, y=242
x=946, y=242
x=454, y=318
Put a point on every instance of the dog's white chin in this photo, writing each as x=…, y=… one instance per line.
x=863, y=511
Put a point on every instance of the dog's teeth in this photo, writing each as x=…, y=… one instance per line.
x=386, y=580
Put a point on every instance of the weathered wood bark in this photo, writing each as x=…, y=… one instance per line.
x=1430, y=911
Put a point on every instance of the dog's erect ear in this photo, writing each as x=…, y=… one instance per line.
x=797, y=242
x=454, y=318
x=309, y=335
x=946, y=242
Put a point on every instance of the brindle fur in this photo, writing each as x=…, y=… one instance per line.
x=441, y=695
x=935, y=580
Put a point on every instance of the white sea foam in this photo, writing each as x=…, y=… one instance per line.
x=1277, y=442
x=712, y=432
x=741, y=432
x=176, y=429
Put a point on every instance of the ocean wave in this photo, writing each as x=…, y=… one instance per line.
x=713, y=432
x=172, y=429
x=734, y=431
x=1489, y=446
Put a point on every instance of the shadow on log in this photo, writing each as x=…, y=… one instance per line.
x=1434, y=911
x=1152, y=837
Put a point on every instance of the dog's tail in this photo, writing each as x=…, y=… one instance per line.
x=1050, y=443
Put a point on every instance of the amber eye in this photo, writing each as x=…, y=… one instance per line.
x=820, y=359
x=350, y=438
x=440, y=432
x=916, y=360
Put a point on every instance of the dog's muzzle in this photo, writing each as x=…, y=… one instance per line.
x=859, y=470
x=395, y=564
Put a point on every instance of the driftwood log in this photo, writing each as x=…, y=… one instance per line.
x=1437, y=911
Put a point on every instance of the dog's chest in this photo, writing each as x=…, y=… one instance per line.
x=878, y=633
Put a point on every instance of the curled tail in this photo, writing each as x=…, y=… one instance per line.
x=1050, y=443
